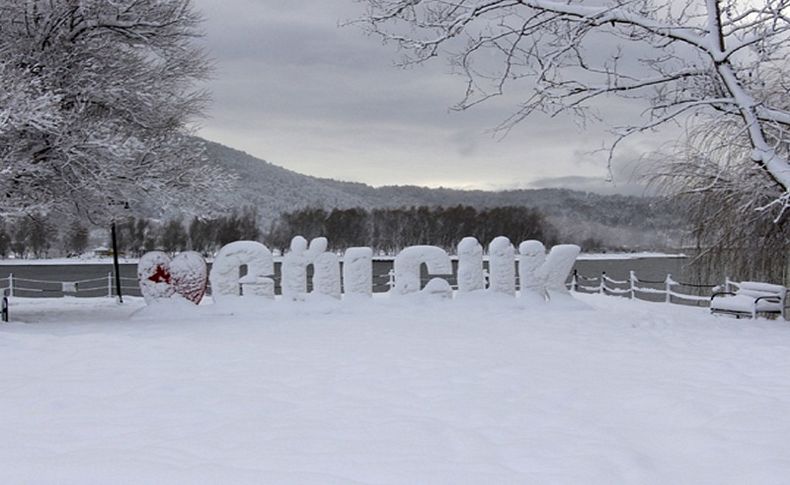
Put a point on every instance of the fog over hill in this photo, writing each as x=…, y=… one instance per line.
x=617, y=220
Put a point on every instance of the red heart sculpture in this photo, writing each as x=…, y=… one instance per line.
x=161, y=277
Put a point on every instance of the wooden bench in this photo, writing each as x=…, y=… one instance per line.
x=751, y=298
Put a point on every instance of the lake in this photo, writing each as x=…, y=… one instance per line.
x=45, y=280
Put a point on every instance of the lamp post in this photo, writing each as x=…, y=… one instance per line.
x=113, y=235
x=115, y=263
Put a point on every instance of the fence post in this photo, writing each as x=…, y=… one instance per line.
x=109, y=284
x=727, y=285
x=603, y=282
x=391, y=282
x=631, y=280
x=668, y=288
x=575, y=281
x=11, y=284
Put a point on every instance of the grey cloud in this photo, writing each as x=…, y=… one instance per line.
x=293, y=88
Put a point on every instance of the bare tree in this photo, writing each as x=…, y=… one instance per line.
x=682, y=58
x=721, y=194
x=96, y=105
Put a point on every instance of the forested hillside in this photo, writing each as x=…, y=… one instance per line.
x=615, y=220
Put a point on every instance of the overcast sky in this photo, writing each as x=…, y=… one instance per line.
x=295, y=89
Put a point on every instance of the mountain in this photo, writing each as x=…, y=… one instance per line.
x=616, y=220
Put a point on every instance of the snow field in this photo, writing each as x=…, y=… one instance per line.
x=480, y=389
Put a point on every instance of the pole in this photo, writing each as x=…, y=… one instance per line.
x=115, y=264
x=668, y=288
x=602, y=286
x=575, y=281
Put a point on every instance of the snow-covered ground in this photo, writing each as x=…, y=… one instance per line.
x=392, y=391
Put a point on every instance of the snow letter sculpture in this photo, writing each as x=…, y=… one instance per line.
x=532, y=254
x=557, y=267
x=502, y=266
x=326, y=274
x=358, y=271
x=161, y=277
x=470, y=265
x=225, y=281
x=543, y=275
x=407, y=269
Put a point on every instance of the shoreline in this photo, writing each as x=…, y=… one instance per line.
x=109, y=261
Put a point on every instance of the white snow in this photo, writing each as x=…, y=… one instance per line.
x=532, y=254
x=407, y=267
x=481, y=389
x=501, y=266
x=358, y=271
x=557, y=267
x=225, y=281
x=470, y=265
x=326, y=276
x=149, y=264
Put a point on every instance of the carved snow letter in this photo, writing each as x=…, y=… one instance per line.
x=470, y=265
x=502, y=266
x=358, y=271
x=407, y=268
x=224, y=277
x=543, y=275
x=326, y=266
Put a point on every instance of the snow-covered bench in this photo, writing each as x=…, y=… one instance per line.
x=750, y=299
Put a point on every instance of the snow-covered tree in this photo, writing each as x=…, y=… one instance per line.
x=681, y=58
x=96, y=103
x=709, y=173
x=75, y=239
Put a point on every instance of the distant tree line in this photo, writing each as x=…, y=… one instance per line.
x=40, y=236
x=390, y=230
x=204, y=235
x=384, y=230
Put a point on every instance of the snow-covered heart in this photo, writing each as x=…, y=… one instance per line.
x=162, y=277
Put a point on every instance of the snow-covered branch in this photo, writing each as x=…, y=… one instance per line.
x=679, y=58
x=96, y=105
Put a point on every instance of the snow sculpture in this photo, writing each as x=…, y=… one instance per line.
x=558, y=265
x=326, y=275
x=438, y=287
x=294, y=270
x=408, y=262
x=358, y=271
x=502, y=266
x=326, y=269
x=545, y=275
x=153, y=272
x=224, y=277
x=162, y=278
x=532, y=254
x=470, y=265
